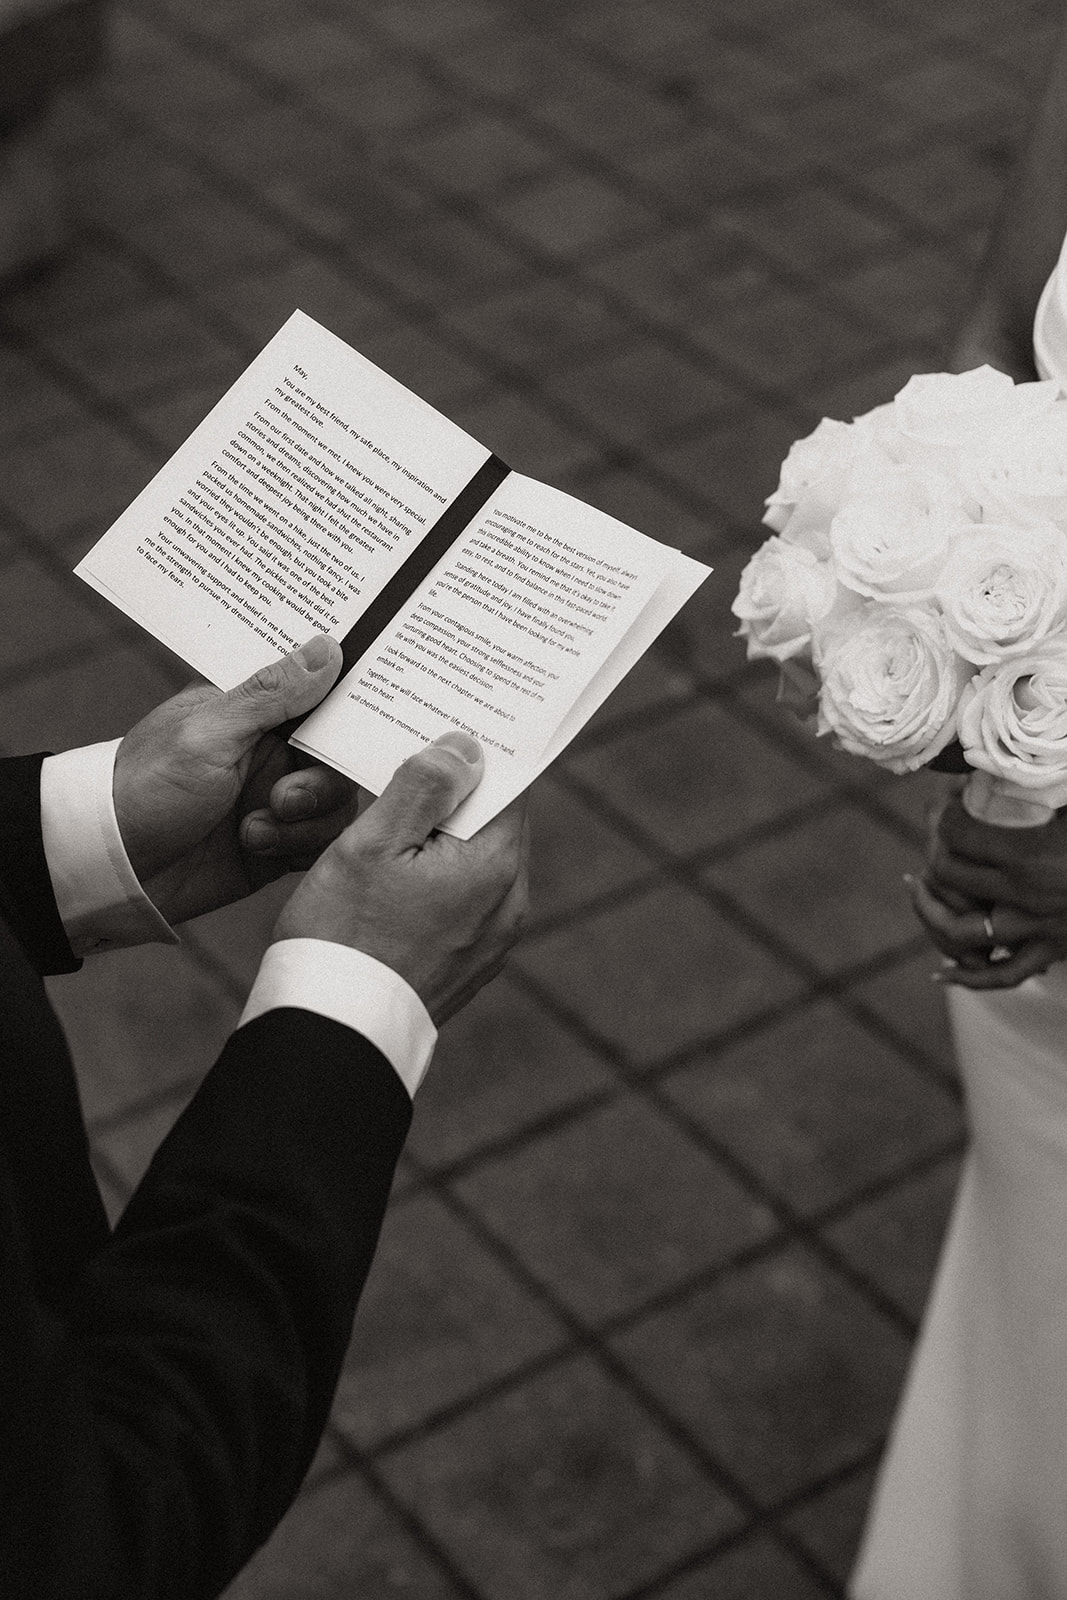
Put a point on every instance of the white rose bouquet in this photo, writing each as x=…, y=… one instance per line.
x=914, y=588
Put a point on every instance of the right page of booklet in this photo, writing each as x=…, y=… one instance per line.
x=517, y=635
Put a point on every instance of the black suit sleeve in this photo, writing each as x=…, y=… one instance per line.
x=163, y=1388
x=27, y=902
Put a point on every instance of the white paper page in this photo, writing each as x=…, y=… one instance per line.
x=500, y=639
x=679, y=585
x=286, y=511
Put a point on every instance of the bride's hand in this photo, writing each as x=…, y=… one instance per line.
x=993, y=900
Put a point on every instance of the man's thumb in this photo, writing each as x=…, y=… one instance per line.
x=276, y=693
x=425, y=790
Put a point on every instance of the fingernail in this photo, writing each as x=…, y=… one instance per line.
x=461, y=744
x=300, y=802
x=314, y=655
x=260, y=835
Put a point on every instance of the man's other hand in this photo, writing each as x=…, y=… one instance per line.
x=442, y=912
x=211, y=804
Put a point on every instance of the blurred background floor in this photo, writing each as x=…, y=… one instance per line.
x=676, y=1183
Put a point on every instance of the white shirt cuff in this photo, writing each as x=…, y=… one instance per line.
x=352, y=988
x=101, y=903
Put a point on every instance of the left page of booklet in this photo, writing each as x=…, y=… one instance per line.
x=287, y=511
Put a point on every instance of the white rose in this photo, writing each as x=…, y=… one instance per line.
x=1004, y=589
x=891, y=544
x=1013, y=722
x=815, y=478
x=1023, y=478
x=891, y=684
x=943, y=416
x=784, y=592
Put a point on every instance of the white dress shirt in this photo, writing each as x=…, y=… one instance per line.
x=103, y=907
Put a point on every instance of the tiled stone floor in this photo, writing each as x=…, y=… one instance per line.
x=676, y=1182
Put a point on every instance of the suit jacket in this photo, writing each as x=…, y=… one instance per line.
x=163, y=1387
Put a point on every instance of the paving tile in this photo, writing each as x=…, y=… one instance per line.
x=915, y=798
x=689, y=975
x=439, y=1319
x=816, y=1107
x=170, y=416
x=340, y=1539
x=544, y=326
x=29, y=594
x=627, y=493
x=180, y=92
x=57, y=478
x=575, y=854
x=654, y=682
x=837, y=39
x=586, y=1209
x=724, y=78
x=760, y=693
x=840, y=126
x=703, y=639
x=206, y=239
x=155, y=346
x=234, y=19
x=734, y=460
x=31, y=402
x=259, y=303
x=941, y=90
x=562, y=1490
x=706, y=167
x=349, y=205
x=482, y=157
x=810, y=1395
x=813, y=228
x=443, y=260
x=141, y=1023
x=573, y=214
x=696, y=778
x=385, y=104
x=525, y=66
x=317, y=51
x=82, y=702
x=116, y=185
x=943, y=186
x=501, y=1065
x=913, y=295
x=526, y=434
x=88, y=283
x=830, y=1525
x=422, y=22
x=896, y=1240
x=416, y=355
x=884, y=375
x=613, y=118
x=231, y=941
x=754, y=1570
x=829, y=886
x=780, y=338
x=642, y=393
x=684, y=276
x=639, y=29
x=903, y=997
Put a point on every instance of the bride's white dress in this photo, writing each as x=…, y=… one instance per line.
x=971, y=1502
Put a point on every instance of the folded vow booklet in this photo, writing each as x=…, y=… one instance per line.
x=321, y=496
